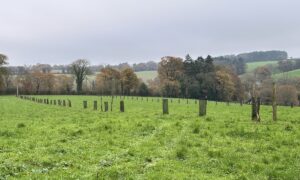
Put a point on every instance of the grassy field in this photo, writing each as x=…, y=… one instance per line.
x=253, y=65
x=290, y=74
x=146, y=75
x=39, y=141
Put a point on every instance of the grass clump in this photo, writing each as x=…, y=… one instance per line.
x=21, y=125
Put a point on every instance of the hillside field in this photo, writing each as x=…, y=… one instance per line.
x=253, y=65
x=147, y=75
x=289, y=74
x=39, y=141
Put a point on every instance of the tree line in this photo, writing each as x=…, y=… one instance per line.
x=199, y=78
x=93, y=69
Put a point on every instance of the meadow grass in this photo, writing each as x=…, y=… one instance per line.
x=39, y=141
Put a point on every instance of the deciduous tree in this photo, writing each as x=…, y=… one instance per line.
x=129, y=81
x=3, y=70
x=80, y=69
x=287, y=94
x=108, y=81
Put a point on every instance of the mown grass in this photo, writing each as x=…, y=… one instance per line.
x=41, y=141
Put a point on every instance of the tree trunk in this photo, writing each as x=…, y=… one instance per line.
x=79, y=86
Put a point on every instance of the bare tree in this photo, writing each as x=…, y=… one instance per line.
x=80, y=69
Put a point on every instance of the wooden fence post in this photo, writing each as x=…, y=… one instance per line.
x=84, y=104
x=202, y=107
x=165, y=106
x=122, y=106
x=95, y=105
x=255, y=109
x=258, y=108
x=274, y=103
x=253, y=114
x=111, y=103
x=101, y=104
x=105, y=106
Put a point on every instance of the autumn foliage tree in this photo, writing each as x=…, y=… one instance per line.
x=129, y=81
x=170, y=70
x=64, y=84
x=224, y=85
x=262, y=73
x=287, y=94
x=108, y=81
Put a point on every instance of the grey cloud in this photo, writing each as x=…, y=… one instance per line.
x=113, y=31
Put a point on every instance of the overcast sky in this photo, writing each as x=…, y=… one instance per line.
x=114, y=31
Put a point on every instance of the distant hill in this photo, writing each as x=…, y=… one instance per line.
x=263, y=56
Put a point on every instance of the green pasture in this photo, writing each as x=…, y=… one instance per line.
x=253, y=65
x=40, y=141
x=289, y=74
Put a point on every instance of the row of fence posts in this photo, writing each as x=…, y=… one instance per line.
x=106, y=108
x=47, y=101
x=255, y=102
x=165, y=106
x=148, y=99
